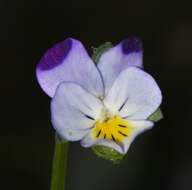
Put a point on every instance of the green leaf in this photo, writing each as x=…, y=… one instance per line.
x=156, y=116
x=97, y=52
x=108, y=154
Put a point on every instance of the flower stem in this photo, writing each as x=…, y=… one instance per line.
x=59, y=167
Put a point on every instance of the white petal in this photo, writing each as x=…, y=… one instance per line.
x=122, y=148
x=74, y=111
x=111, y=63
x=139, y=127
x=134, y=94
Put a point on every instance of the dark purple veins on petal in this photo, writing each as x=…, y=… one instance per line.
x=89, y=117
x=55, y=55
x=131, y=45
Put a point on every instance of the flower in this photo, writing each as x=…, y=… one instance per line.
x=106, y=104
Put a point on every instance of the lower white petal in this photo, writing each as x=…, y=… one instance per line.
x=121, y=147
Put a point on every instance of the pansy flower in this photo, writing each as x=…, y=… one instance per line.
x=107, y=104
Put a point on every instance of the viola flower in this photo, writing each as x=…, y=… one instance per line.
x=106, y=104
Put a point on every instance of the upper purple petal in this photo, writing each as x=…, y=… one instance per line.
x=127, y=53
x=55, y=55
x=130, y=45
x=68, y=61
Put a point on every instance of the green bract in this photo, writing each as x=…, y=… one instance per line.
x=108, y=154
x=97, y=52
x=156, y=116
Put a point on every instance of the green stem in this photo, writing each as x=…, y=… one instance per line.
x=59, y=165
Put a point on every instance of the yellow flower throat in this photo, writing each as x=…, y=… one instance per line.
x=114, y=128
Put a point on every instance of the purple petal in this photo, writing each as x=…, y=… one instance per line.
x=68, y=61
x=131, y=45
x=127, y=53
x=55, y=55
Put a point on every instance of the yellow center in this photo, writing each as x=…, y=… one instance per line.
x=114, y=128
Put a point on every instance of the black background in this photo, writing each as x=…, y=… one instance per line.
x=158, y=159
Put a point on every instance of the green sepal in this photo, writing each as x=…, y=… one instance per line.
x=97, y=52
x=156, y=116
x=107, y=153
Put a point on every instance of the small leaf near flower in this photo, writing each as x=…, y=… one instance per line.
x=107, y=153
x=97, y=52
x=156, y=116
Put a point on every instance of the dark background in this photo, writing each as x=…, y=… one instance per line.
x=158, y=159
